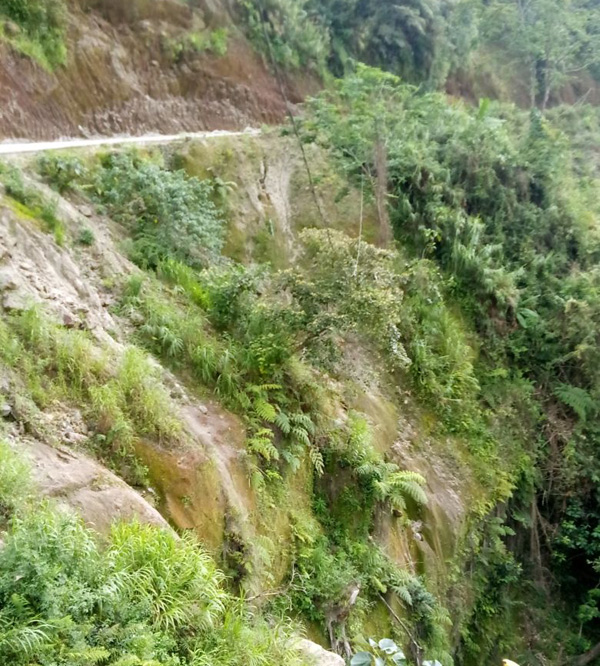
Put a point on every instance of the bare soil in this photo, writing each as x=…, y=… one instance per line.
x=120, y=77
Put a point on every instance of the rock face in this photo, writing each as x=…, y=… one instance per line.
x=119, y=77
x=82, y=484
x=318, y=656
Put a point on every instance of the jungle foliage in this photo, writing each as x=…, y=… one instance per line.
x=492, y=197
x=541, y=45
x=483, y=310
x=147, y=597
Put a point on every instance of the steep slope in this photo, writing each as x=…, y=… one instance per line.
x=140, y=68
x=199, y=467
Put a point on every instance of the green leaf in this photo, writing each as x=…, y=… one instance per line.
x=388, y=645
x=362, y=659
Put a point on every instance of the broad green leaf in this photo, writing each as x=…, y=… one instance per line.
x=362, y=659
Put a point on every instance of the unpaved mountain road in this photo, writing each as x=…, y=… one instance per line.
x=20, y=147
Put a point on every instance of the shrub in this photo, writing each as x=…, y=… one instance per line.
x=15, y=187
x=61, y=171
x=148, y=598
x=170, y=215
x=86, y=237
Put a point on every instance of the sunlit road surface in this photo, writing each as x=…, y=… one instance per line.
x=17, y=147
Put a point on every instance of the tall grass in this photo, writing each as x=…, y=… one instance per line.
x=121, y=394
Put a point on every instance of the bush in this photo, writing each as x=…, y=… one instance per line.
x=61, y=171
x=16, y=189
x=86, y=237
x=148, y=598
x=169, y=214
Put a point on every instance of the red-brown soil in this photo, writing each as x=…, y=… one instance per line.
x=120, y=78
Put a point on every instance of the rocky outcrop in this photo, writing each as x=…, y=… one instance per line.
x=317, y=656
x=121, y=76
x=80, y=483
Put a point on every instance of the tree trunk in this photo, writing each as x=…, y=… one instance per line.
x=546, y=93
x=587, y=657
x=381, y=192
x=532, y=84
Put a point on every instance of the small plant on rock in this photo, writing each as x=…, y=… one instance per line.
x=383, y=653
x=86, y=237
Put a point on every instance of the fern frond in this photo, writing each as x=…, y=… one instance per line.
x=316, y=457
x=403, y=593
x=578, y=399
x=261, y=389
x=91, y=655
x=265, y=410
x=292, y=460
x=262, y=444
x=408, y=484
x=300, y=435
x=282, y=421
x=304, y=421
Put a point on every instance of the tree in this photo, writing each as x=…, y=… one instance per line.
x=555, y=41
x=358, y=120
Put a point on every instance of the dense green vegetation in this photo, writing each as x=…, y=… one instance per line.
x=473, y=319
x=491, y=197
x=146, y=598
x=531, y=49
x=37, y=29
x=484, y=310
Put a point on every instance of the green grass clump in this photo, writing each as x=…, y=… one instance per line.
x=86, y=237
x=121, y=395
x=30, y=204
x=14, y=481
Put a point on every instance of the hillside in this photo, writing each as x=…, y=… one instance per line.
x=136, y=68
x=333, y=379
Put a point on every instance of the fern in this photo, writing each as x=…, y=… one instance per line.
x=316, y=457
x=292, y=460
x=265, y=410
x=262, y=389
x=282, y=421
x=304, y=421
x=261, y=443
x=403, y=593
x=578, y=399
x=300, y=435
x=24, y=640
x=90, y=655
x=407, y=484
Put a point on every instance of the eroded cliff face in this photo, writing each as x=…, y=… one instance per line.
x=127, y=71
